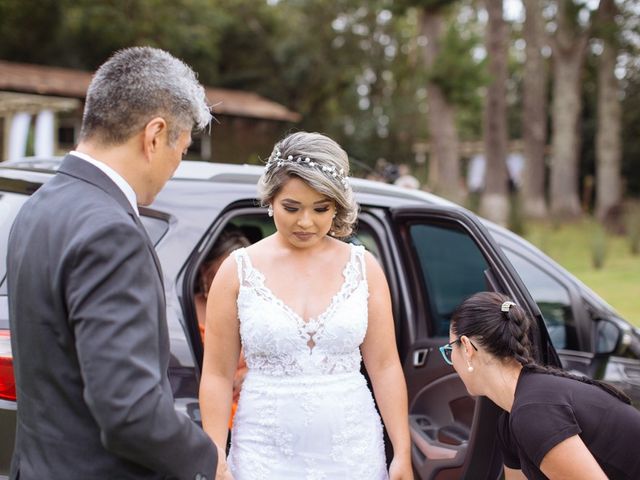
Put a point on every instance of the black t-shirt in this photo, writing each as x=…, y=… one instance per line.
x=548, y=409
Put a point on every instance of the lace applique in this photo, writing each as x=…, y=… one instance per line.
x=305, y=412
x=278, y=341
x=357, y=437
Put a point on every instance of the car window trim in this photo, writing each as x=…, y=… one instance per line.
x=502, y=269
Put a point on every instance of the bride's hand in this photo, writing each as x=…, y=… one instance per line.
x=222, y=471
x=400, y=469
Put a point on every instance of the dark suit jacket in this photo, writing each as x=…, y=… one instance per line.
x=90, y=341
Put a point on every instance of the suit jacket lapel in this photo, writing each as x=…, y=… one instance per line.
x=82, y=170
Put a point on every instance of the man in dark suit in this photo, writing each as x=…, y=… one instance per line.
x=86, y=298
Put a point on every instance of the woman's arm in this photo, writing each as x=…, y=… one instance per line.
x=571, y=459
x=380, y=356
x=221, y=351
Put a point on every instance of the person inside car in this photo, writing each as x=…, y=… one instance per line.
x=230, y=239
x=554, y=424
x=308, y=309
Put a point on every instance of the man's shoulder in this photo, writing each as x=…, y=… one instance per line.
x=67, y=211
x=64, y=194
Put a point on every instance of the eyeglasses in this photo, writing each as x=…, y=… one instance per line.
x=446, y=350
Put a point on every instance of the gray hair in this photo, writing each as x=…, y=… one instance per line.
x=137, y=84
x=325, y=154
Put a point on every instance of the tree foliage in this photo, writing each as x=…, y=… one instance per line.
x=455, y=71
x=351, y=68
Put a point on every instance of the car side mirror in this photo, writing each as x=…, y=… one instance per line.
x=609, y=337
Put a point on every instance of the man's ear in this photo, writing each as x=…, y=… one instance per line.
x=155, y=131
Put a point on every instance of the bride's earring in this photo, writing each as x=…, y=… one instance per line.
x=270, y=210
x=470, y=368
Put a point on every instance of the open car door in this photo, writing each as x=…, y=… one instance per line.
x=449, y=255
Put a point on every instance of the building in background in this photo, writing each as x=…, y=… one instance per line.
x=41, y=113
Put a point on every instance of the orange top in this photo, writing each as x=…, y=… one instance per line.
x=234, y=405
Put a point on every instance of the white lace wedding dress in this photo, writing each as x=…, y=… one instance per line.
x=305, y=412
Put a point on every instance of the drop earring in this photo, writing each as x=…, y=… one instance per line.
x=470, y=368
x=270, y=210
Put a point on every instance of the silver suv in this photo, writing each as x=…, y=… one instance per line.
x=434, y=253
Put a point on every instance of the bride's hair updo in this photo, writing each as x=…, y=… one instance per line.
x=322, y=164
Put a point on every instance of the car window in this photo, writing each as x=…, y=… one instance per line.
x=552, y=298
x=256, y=227
x=10, y=204
x=365, y=235
x=452, y=268
x=155, y=227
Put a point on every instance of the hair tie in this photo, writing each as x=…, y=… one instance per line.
x=505, y=307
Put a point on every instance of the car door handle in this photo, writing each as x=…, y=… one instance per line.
x=420, y=357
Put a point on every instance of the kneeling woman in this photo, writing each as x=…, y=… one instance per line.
x=555, y=425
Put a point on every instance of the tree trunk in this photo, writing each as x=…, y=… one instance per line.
x=608, y=136
x=569, y=51
x=444, y=171
x=494, y=204
x=534, y=114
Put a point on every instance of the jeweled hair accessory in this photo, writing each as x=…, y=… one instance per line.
x=275, y=160
x=506, y=306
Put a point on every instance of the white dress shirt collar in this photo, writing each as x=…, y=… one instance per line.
x=114, y=176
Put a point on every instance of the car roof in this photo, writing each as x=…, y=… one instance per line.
x=238, y=174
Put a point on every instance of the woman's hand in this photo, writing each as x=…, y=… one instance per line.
x=400, y=469
x=222, y=471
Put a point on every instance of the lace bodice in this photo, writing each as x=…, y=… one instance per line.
x=277, y=341
x=305, y=412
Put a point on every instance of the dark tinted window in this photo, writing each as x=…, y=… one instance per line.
x=256, y=227
x=452, y=268
x=552, y=298
x=10, y=204
x=365, y=235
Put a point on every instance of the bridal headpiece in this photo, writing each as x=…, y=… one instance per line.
x=277, y=160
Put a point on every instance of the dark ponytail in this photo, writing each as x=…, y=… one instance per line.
x=503, y=329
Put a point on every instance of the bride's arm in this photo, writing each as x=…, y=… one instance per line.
x=381, y=360
x=221, y=351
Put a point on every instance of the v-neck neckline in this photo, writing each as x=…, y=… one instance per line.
x=311, y=321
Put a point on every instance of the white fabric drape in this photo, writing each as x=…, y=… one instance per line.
x=44, y=141
x=18, y=133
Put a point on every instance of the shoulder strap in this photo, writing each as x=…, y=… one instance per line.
x=358, y=252
x=357, y=266
x=243, y=264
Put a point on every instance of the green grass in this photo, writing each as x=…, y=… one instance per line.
x=572, y=245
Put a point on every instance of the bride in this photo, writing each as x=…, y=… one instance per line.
x=306, y=308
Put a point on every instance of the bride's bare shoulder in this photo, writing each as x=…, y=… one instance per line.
x=261, y=247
